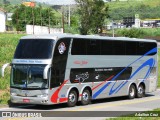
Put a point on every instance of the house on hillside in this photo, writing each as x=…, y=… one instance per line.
x=2, y=20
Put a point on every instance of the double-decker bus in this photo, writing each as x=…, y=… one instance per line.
x=66, y=68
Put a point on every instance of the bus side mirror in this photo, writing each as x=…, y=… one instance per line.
x=3, y=69
x=45, y=72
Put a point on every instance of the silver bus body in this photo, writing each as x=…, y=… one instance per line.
x=104, y=66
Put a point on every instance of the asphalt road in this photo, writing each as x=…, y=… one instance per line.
x=98, y=110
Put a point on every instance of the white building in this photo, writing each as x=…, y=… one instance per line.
x=2, y=20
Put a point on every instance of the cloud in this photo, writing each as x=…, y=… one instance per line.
x=58, y=2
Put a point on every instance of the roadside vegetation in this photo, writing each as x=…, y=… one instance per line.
x=8, y=44
x=137, y=32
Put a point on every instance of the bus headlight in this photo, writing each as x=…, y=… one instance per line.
x=13, y=94
x=43, y=95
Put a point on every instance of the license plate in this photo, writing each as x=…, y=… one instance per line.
x=26, y=100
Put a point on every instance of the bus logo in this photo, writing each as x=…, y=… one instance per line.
x=61, y=48
x=82, y=77
x=81, y=62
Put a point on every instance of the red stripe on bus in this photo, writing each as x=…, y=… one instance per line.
x=55, y=94
x=63, y=99
x=103, y=82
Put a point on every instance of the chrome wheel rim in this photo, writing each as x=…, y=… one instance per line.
x=140, y=90
x=72, y=97
x=85, y=96
x=132, y=92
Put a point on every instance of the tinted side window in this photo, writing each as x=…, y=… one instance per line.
x=118, y=47
x=86, y=47
x=82, y=75
x=106, y=47
x=79, y=47
x=131, y=48
x=144, y=47
x=93, y=47
x=110, y=47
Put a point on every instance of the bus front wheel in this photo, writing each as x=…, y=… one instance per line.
x=72, y=98
x=132, y=92
x=86, y=97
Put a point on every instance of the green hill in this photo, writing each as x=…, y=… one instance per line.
x=145, y=8
x=13, y=1
x=129, y=3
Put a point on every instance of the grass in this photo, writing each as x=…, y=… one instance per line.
x=8, y=44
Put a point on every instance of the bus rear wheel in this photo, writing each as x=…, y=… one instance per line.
x=72, y=98
x=140, y=91
x=132, y=92
x=86, y=97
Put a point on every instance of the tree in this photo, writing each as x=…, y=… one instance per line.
x=92, y=15
x=35, y=16
x=6, y=2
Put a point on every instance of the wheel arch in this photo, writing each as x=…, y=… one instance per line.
x=75, y=89
x=142, y=83
x=85, y=87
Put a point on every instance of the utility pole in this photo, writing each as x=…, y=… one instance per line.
x=49, y=20
x=112, y=29
x=40, y=14
x=63, y=20
x=17, y=20
x=69, y=15
x=33, y=19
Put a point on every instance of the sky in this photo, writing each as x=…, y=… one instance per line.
x=58, y=2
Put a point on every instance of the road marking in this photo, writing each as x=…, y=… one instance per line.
x=13, y=118
x=1, y=109
x=115, y=104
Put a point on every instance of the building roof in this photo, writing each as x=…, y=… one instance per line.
x=1, y=9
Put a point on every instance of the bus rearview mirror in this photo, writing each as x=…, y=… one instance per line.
x=3, y=69
x=45, y=72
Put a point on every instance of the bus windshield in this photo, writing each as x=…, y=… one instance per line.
x=34, y=49
x=28, y=77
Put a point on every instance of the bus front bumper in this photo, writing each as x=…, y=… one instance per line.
x=30, y=100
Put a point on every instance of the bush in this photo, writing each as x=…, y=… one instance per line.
x=132, y=33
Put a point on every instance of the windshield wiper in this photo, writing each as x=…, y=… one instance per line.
x=33, y=87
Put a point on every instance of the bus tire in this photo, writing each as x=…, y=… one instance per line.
x=86, y=97
x=140, y=91
x=132, y=92
x=72, y=98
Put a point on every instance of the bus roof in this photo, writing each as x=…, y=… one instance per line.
x=66, y=35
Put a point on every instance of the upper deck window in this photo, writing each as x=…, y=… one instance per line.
x=34, y=49
x=110, y=47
